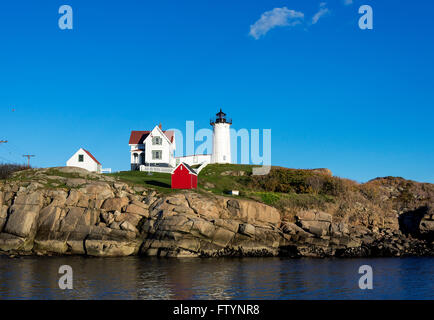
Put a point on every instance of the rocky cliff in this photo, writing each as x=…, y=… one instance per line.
x=72, y=211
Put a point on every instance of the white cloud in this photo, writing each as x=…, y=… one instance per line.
x=323, y=10
x=278, y=17
x=348, y=2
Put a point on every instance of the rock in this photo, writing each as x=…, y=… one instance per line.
x=49, y=218
x=111, y=248
x=115, y=225
x=292, y=228
x=426, y=227
x=128, y=226
x=73, y=198
x=233, y=207
x=204, y=206
x=314, y=215
x=100, y=217
x=22, y=220
x=75, y=182
x=343, y=227
x=137, y=209
x=3, y=215
x=98, y=191
x=204, y=228
x=115, y=204
x=71, y=219
x=175, y=201
x=184, y=209
x=58, y=197
x=252, y=212
x=306, y=215
x=118, y=217
x=247, y=229
x=10, y=242
x=322, y=216
x=54, y=246
x=319, y=228
x=222, y=237
x=230, y=225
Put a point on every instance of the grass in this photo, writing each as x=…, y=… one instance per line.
x=225, y=177
x=156, y=180
x=220, y=178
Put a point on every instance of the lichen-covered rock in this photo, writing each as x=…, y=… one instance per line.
x=99, y=216
x=111, y=248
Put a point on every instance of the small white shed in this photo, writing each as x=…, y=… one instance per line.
x=84, y=159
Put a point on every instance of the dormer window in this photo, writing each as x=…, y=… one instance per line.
x=157, y=141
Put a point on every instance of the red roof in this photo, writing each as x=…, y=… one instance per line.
x=137, y=137
x=90, y=155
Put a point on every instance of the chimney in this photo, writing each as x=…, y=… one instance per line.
x=161, y=128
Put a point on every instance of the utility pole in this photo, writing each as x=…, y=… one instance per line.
x=28, y=156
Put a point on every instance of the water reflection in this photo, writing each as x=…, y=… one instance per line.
x=225, y=278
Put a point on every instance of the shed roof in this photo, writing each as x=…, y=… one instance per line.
x=190, y=169
x=91, y=155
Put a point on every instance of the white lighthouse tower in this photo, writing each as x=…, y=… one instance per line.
x=221, y=138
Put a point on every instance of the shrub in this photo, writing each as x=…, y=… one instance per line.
x=269, y=198
x=6, y=170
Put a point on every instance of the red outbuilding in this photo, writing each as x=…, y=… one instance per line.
x=184, y=177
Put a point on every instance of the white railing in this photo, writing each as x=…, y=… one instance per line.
x=155, y=169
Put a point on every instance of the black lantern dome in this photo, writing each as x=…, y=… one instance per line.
x=220, y=118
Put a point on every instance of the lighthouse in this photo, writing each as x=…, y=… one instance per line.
x=221, y=138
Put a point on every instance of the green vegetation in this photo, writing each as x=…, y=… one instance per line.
x=291, y=200
x=282, y=188
x=156, y=180
x=220, y=178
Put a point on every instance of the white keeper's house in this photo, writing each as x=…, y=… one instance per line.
x=154, y=150
x=85, y=160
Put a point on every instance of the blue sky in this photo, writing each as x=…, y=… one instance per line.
x=359, y=102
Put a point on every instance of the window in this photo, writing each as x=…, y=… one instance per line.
x=157, y=141
x=156, y=154
x=80, y=158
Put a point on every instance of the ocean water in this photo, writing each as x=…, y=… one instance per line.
x=223, y=278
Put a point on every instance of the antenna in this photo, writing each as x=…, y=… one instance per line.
x=28, y=156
